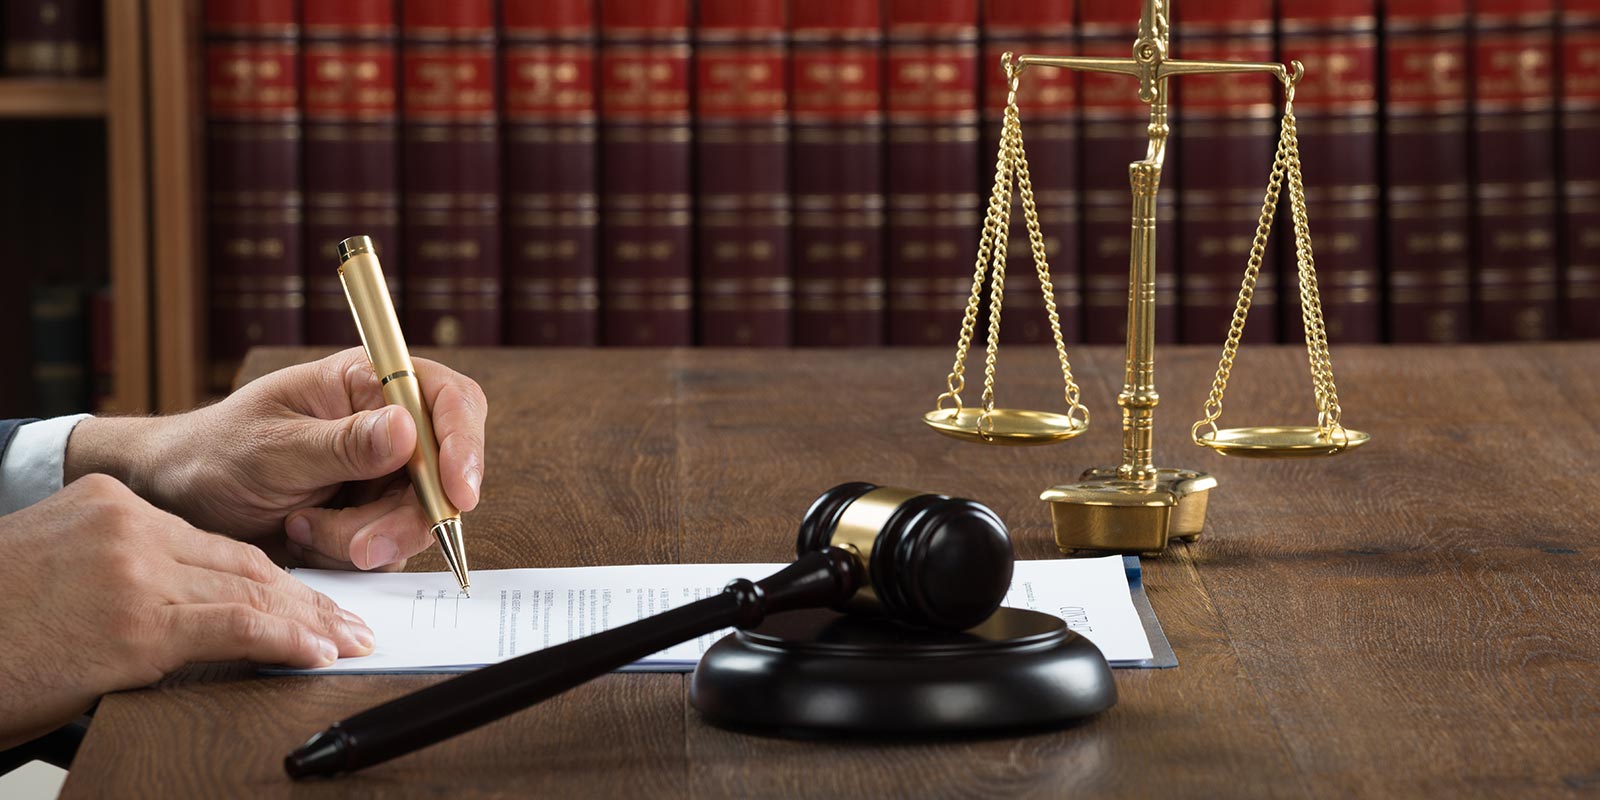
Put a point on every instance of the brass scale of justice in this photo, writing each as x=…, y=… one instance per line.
x=1138, y=507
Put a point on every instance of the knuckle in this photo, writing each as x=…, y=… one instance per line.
x=244, y=625
x=255, y=564
x=133, y=625
x=344, y=441
x=475, y=396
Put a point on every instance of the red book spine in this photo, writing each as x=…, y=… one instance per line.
x=837, y=173
x=53, y=38
x=934, y=207
x=1580, y=167
x=1513, y=129
x=254, y=209
x=1113, y=135
x=352, y=141
x=1426, y=156
x=646, y=268
x=552, y=115
x=1226, y=130
x=451, y=166
x=1048, y=103
x=1337, y=107
x=746, y=287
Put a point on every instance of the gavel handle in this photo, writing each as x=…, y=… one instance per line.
x=460, y=704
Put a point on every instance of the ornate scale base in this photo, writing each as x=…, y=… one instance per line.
x=820, y=673
x=1105, y=513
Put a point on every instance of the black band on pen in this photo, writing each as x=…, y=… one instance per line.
x=394, y=376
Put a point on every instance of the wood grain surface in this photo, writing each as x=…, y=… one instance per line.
x=1420, y=617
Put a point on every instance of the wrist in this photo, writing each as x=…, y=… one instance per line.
x=130, y=449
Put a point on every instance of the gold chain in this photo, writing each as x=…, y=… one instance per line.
x=1041, y=265
x=1011, y=166
x=1286, y=165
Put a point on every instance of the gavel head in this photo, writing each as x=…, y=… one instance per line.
x=928, y=559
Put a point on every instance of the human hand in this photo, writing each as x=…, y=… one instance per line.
x=105, y=592
x=310, y=452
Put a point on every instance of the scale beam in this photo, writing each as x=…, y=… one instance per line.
x=1165, y=68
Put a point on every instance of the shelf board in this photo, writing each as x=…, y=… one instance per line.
x=43, y=98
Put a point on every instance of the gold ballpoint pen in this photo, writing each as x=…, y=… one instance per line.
x=379, y=328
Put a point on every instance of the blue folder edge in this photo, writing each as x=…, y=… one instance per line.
x=1161, y=654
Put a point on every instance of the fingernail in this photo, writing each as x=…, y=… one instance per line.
x=475, y=478
x=298, y=529
x=378, y=424
x=380, y=551
x=349, y=617
x=361, y=633
x=330, y=653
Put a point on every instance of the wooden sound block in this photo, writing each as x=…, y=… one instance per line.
x=819, y=672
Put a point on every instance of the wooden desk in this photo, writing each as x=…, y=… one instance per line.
x=1419, y=617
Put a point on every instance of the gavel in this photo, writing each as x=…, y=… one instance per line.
x=918, y=558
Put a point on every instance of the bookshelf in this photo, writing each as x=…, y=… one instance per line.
x=117, y=100
x=31, y=98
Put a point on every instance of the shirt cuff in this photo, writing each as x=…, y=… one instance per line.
x=31, y=468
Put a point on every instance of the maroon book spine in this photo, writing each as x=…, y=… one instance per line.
x=102, y=350
x=746, y=288
x=1113, y=135
x=254, y=213
x=352, y=142
x=451, y=166
x=837, y=173
x=1226, y=130
x=1513, y=130
x=1580, y=167
x=1048, y=103
x=54, y=38
x=647, y=288
x=935, y=211
x=1337, y=107
x=552, y=272
x=1427, y=197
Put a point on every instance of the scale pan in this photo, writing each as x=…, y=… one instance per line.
x=1305, y=441
x=1009, y=426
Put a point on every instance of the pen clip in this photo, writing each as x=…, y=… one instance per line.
x=360, y=331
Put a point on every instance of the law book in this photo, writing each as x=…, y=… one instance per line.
x=450, y=156
x=836, y=171
x=1426, y=164
x=646, y=257
x=1513, y=161
x=1580, y=167
x=1226, y=135
x=59, y=333
x=934, y=205
x=1113, y=134
x=551, y=173
x=254, y=210
x=1337, y=108
x=102, y=350
x=744, y=283
x=352, y=152
x=54, y=38
x=1048, y=105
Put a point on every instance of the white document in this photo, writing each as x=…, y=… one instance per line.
x=423, y=623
